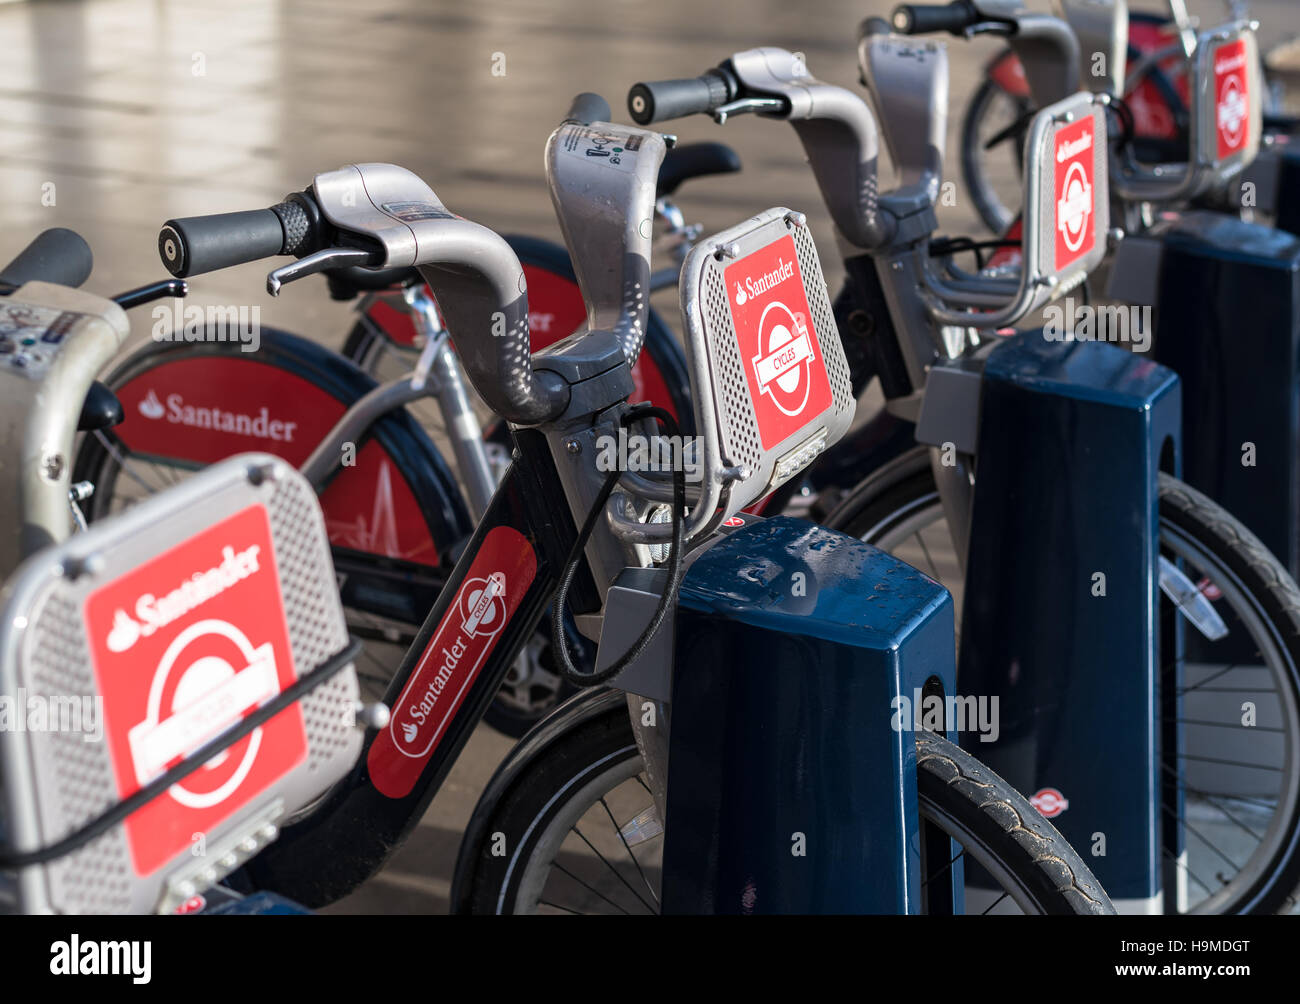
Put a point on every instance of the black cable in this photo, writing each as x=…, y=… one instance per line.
x=101, y=824
x=944, y=246
x=559, y=644
x=1128, y=125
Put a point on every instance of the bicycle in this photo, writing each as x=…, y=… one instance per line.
x=191, y=677
x=1154, y=86
x=399, y=514
x=558, y=527
x=906, y=496
x=849, y=463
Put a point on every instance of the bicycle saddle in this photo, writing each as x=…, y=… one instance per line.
x=695, y=160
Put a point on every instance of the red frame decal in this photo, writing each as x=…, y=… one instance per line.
x=183, y=647
x=1231, y=98
x=498, y=578
x=1074, y=205
x=778, y=346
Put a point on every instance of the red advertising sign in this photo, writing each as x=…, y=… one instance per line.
x=499, y=576
x=1231, y=97
x=185, y=646
x=778, y=347
x=1075, y=193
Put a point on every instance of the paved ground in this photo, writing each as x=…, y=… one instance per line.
x=117, y=114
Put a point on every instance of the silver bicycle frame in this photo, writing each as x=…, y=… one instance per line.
x=59, y=339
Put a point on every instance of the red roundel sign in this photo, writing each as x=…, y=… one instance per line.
x=1049, y=802
x=1075, y=195
x=184, y=647
x=778, y=347
x=1231, y=97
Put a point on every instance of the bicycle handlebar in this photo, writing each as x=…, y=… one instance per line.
x=198, y=244
x=924, y=19
x=56, y=255
x=659, y=100
x=588, y=108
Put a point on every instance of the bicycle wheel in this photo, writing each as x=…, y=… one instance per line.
x=993, y=173
x=572, y=819
x=1240, y=785
x=394, y=515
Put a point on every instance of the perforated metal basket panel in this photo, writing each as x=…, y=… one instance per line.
x=56, y=781
x=1070, y=192
x=771, y=382
x=1229, y=98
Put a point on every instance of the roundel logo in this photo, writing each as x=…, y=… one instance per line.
x=483, y=605
x=1075, y=194
x=1049, y=802
x=1075, y=207
x=1232, y=111
x=785, y=356
x=787, y=380
x=1231, y=97
x=208, y=675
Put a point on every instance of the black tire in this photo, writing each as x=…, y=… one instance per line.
x=995, y=215
x=895, y=497
x=960, y=796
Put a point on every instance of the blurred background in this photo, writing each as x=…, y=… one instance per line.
x=116, y=115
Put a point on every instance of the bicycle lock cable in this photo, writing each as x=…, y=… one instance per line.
x=559, y=642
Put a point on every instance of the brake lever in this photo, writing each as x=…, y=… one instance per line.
x=153, y=291
x=773, y=106
x=321, y=261
x=1004, y=28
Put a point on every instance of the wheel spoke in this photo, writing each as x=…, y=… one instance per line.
x=627, y=847
x=617, y=874
x=595, y=892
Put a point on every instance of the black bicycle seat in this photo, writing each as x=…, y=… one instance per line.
x=346, y=283
x=695, y=160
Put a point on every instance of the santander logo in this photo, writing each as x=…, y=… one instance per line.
x=470, y=627
x=153, y=611
x=482, y=608
x=178, y=412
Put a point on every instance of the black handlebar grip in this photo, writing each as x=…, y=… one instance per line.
x=588, y=108
x=57, y=255
x=199, y=244
x=924, y=19
x=659, y=100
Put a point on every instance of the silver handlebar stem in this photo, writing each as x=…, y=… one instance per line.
x=838, y=133
x=474, y=274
